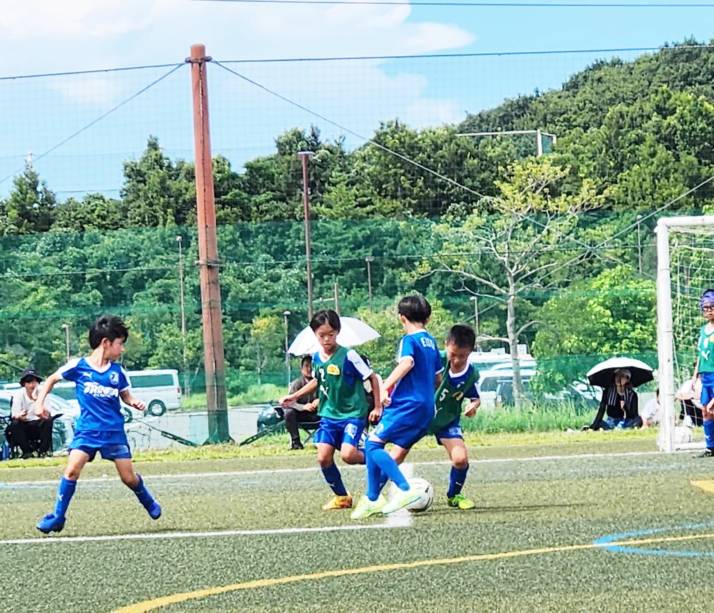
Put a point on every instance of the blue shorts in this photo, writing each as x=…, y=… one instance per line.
x=394, y=428
x=453, y=430
x=111, y=444
x=338, y=432
x=707, y=388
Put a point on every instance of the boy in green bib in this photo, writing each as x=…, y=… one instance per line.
x=704, y=368
x=339, y=376
x=457, y=385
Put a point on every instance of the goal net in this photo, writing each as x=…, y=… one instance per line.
x=685, y=268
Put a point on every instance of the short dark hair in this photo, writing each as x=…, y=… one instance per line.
x=462, y=336
x=306, y=359
x=415, y=308
x=107, y=326
x=327, y=316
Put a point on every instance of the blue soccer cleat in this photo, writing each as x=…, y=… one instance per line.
x=51, y=523
x=154, y=510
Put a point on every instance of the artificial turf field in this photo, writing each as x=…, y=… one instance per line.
x=248, y=534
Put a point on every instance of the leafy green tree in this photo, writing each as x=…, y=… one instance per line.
x=610, y=315
x=30, y=205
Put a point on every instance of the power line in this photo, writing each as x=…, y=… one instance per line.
x=520, y=5
x=349, y=131
x=70, y=73
x=97, y=120
x=475, y=54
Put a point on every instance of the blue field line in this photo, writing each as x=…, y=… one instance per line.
x=640, y=551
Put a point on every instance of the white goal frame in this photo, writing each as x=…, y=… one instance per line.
x=665, y=334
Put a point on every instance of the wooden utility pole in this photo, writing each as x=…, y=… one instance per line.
x=304, y=157
x=208, y=262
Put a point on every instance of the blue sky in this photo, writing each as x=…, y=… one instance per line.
x=49, y=36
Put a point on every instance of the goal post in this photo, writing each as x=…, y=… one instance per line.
x=691, y=259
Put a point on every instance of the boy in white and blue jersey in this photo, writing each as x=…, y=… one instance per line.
x=407, y=413
x=101, y=382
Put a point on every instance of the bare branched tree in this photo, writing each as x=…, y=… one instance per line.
x=524, y=243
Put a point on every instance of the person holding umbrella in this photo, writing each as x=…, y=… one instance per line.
x=618, y=406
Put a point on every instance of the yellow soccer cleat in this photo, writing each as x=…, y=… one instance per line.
x=366, y=507
x=461, y=502
x=338, y=502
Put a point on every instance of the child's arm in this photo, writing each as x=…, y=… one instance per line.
x=45, y=389
x=401, y=370
x=376, y=413
x=696, y=372
x=306, y=389
x=472, y=407
x=128, y=399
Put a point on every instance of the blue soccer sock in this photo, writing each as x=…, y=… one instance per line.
x=457, y=478
x=143, y=494
x=386, y=464
x=334, y=479
x=709, y=433
x=376, y=479
x=65, y=491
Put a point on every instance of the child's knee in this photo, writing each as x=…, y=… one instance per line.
x=129, y=479
x=325, y=459
x=72, y=472
x=372, y=445
x=352, y=455
x=459, y=458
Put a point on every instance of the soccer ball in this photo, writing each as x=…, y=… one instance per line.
x=427, y=495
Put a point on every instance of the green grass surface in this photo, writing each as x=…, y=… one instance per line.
x=533, y=492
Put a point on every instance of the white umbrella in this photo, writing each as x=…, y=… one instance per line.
x=353, y=332
x=603, y=374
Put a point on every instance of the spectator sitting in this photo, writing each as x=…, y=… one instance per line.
x=652, y=413
x=691, y=407
x=27, y=425
x=304, y=409
x=619, y=401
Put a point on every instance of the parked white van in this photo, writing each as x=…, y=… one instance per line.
x=159, y=389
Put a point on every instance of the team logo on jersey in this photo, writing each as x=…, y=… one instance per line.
x=114, y=378
x=333, y=369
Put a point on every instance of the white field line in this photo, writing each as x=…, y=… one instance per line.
x=397, y=520
x=314, y=469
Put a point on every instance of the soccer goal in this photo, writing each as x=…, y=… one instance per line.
x=685, y=268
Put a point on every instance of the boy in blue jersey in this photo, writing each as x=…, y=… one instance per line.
x=339, y=375
x=101, y=382
x=704, y=368
x=407, y=413
x=457, y=385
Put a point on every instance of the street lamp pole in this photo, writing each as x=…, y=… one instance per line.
x=286, y=314
x=639, y=244
x=476, y=323
x=369, y=259
x=66, y=328
x=182, y=303
x=304, y=157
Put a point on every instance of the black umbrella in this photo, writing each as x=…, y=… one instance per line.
x=603, y=374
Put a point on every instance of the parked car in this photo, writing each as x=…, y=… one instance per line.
x=570, y=395
x=62, y=429
x=489, y=380
x=159, y=389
